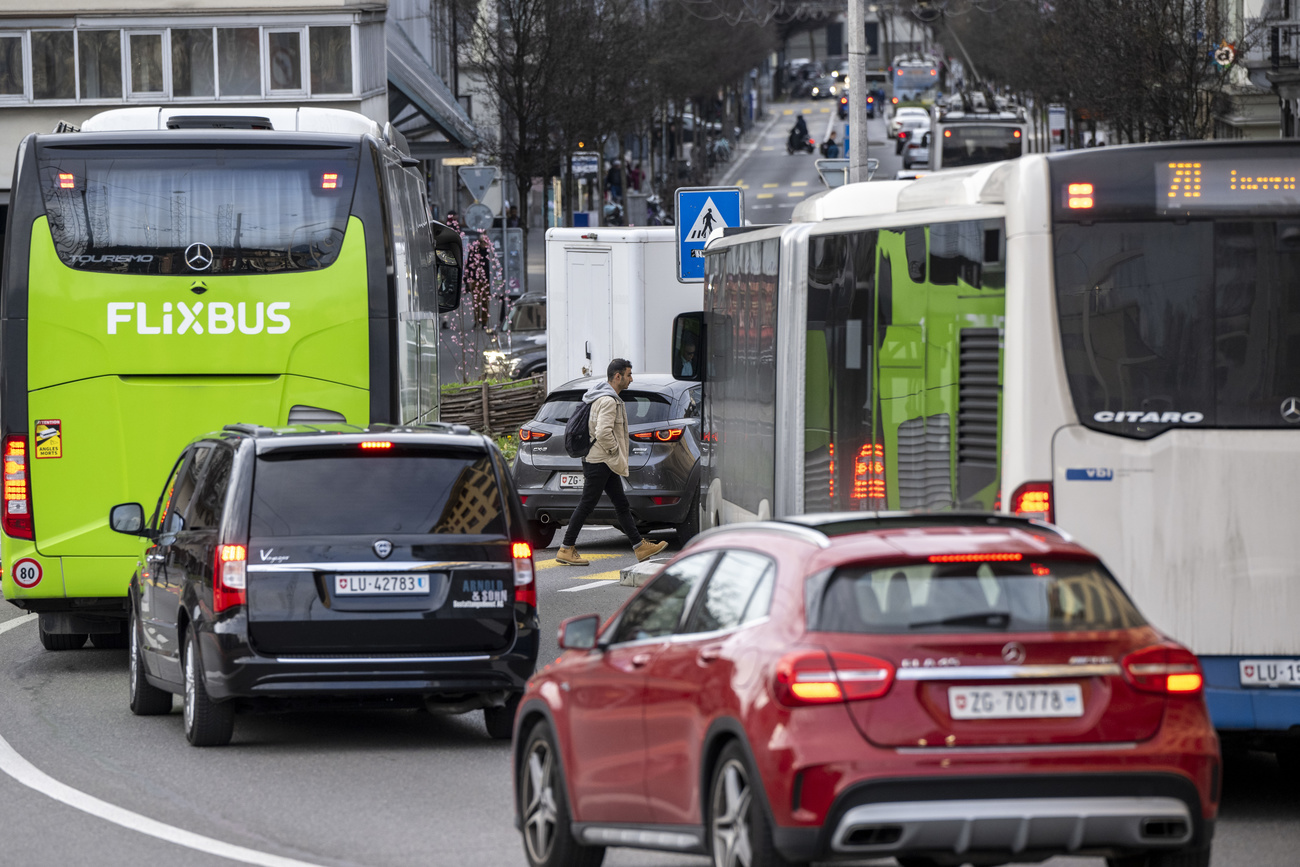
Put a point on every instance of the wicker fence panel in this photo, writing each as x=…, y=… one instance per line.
x=495, y=408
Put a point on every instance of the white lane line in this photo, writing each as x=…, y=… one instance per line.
x=16, y=622
x=33, y=777
x=597, y=583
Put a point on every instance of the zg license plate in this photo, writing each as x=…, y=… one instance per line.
x=1015, y=702
x=570, y=480
x=412, y=584
x=1270, y=672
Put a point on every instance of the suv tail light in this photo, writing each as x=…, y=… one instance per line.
x=532, y=436
x=521, y=555
x=668, y=435
x=816, y=677
x=1170, y=669
x=1033, y=500
x=229, y=578
x=17, y=518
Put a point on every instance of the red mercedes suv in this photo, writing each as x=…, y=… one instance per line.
x=943, y=689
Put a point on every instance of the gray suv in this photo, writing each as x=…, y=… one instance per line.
x=663, y=487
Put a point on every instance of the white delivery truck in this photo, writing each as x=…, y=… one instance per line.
x=612, y=292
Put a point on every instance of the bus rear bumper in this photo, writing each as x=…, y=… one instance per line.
x=1237, y=708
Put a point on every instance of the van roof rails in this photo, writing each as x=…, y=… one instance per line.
x=217, y=121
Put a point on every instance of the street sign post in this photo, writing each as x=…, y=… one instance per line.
x=700, y=211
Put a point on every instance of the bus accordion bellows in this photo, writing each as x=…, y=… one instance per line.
x=168, y=271
x=1108, y=339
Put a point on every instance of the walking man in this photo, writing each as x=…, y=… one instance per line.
x=605, y=466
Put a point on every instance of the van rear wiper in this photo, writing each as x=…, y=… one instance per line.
x=993, y=619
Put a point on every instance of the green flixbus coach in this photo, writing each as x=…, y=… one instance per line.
x=170, y=271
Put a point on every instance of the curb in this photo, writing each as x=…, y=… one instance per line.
x=639, y=573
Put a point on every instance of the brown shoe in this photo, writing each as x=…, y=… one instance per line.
x=648, y=549
x=570, y=557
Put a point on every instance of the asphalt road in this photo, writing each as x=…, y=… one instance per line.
x=83, y=781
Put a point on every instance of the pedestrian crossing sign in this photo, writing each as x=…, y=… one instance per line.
x=701, y=211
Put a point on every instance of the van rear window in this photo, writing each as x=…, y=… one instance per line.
x=402, y=490
x=1024, y=596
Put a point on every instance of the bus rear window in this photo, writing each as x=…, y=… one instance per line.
x=198, y=212
x=348, y=492
x=1189, y=324
x=1021, y=596
x=975, y=145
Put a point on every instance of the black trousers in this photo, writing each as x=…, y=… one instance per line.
x=599, y=479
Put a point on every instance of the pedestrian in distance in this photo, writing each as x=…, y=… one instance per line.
x=635, y=176
x=830, y=147
x=605, y=466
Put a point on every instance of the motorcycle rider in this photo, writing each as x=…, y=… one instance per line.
x=799, y=135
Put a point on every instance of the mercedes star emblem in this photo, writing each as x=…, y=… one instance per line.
x=1291, y=410
x=198, y=256
x=1013, y=652
x=383, y=548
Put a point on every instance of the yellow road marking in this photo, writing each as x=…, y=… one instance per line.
x=743, y=186
x=805, y=111
x=766, y=195
x=547, y=564
x=798, y=183
x=770, y=186
x=825, y=111
x=788, y=111
x=600, y=576
x=796, y=195
x=740, y=182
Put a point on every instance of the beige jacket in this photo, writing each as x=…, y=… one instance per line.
x=609, y=438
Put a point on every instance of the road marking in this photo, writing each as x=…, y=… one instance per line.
x=805, y=111
x=15, y=766
x=798, y=183
x=767, y=148
x=740, y=182
x=788, y=111
x=599, y=576
x=826, y=111
x=547, y=564
x=770, y=186
x=766, y=195
x=604, y=583
x=16, y=622
x=795, y=195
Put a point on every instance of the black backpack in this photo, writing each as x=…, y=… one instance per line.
x=577, y=432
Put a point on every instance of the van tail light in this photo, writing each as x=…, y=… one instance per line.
x=521, y=556
x=229, y=577
x=1169, y=669
x=816, y=677
x=532, y=436
x=1033, y=500
x=17, y=520
x=869, y=477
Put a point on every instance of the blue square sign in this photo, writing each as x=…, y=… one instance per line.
x=700, y=212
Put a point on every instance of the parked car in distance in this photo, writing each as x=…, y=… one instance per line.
x=917, y=150
x=521, y=349
x=663, y=416
x=382, y=566
x=940, y=689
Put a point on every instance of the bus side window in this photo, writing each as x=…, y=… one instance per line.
x=915, y=245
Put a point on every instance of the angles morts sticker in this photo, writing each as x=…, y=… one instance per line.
x=49, y=438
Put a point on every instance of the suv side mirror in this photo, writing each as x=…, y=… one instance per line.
x=579, y=633
x=128, y=518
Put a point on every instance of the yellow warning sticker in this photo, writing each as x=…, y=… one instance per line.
x=49, y=438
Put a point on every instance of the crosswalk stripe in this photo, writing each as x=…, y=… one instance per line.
x=547, y=564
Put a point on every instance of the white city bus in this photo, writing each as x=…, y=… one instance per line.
x=1109, y=339
x=970, y=134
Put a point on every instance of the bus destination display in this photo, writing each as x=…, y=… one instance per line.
x=1217, y=185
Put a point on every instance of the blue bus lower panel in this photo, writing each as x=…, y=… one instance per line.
x=1234, y=707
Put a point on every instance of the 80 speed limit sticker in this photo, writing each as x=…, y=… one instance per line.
x=27, y=573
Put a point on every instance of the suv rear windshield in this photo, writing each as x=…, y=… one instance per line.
x=198, y=210
x=642, y=407
x=1169, y=324
x=1024, y=596
x=403, y=490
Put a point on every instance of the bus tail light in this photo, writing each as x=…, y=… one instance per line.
x=869, y=476
x=17, y=519
x=1033, y=500
x=1169, y=669
x=521, y=556
x=229, y=577
x=816, y=677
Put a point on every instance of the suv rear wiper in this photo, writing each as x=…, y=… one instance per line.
x=995, y=619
